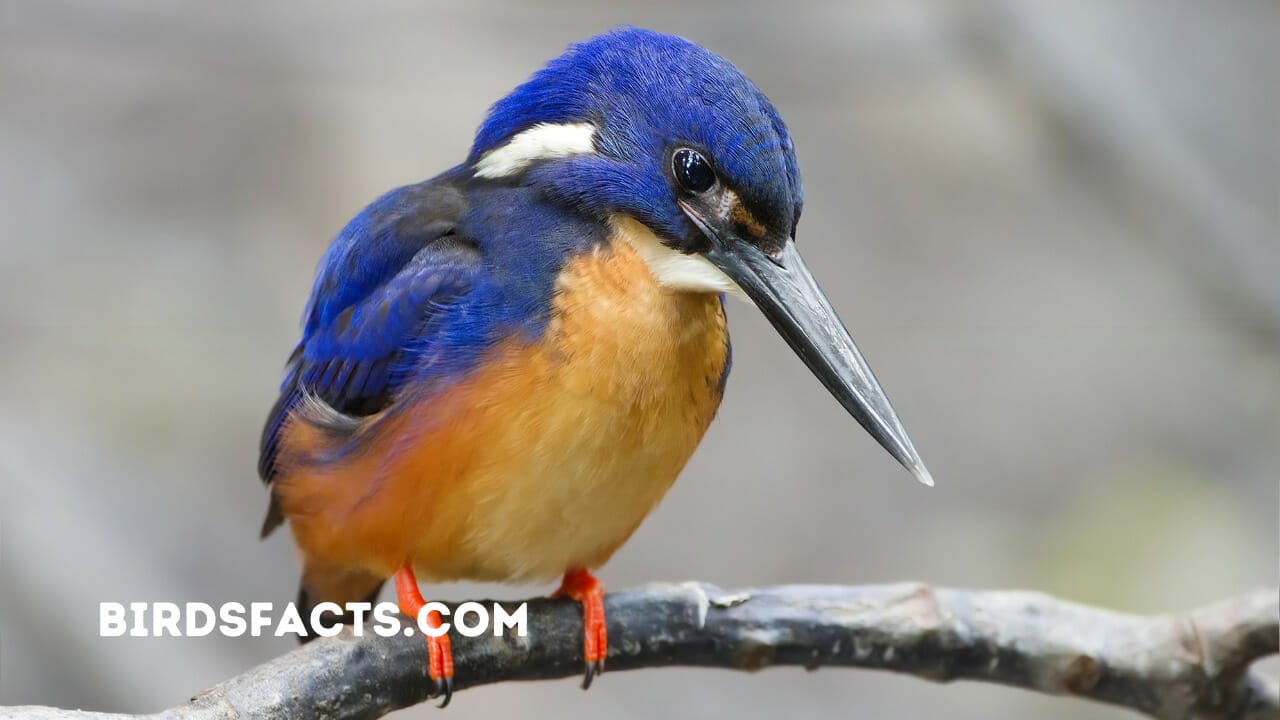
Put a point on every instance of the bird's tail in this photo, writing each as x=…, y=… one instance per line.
x=326, y=583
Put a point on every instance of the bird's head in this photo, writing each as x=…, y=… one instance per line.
x=635, y=126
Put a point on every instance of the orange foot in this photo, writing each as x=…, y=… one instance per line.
x=439, y=652
x=580, y=585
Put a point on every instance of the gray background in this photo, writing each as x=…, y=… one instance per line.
x=1052, y=227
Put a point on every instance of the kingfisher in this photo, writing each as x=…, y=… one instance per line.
x=503, y=368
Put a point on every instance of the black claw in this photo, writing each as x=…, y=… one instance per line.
x=593, y=669
x=443, y=686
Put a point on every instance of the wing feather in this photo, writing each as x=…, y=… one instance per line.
x=395, y=269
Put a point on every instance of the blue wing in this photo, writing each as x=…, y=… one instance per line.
x=394, y=269
x=416, y=289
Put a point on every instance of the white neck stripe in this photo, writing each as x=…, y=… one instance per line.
x=540, y=142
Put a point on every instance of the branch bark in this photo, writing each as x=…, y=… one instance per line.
x=1193, y=665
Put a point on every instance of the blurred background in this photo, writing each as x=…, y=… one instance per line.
x=1051, y=226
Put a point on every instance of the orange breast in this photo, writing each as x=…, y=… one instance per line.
x=545, y=458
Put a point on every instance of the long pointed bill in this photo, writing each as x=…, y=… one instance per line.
x=785, y=291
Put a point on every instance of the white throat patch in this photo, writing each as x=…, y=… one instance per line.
x=672, y=268
x=540, y=142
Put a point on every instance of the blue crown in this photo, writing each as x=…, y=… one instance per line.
x=645, y=92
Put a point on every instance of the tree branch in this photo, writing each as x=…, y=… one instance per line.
x=1194, y=665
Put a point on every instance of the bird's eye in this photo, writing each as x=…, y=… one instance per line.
x=692, y=171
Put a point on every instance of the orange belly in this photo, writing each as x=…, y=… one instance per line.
x=545, y=458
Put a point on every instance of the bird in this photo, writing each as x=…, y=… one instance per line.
x=503, y=368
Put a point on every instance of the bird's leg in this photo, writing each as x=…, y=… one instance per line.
x=582, y=586
x=439, y=652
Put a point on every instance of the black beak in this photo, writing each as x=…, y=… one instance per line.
x=785, y=291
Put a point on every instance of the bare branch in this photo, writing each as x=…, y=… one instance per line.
x=1194, y=665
